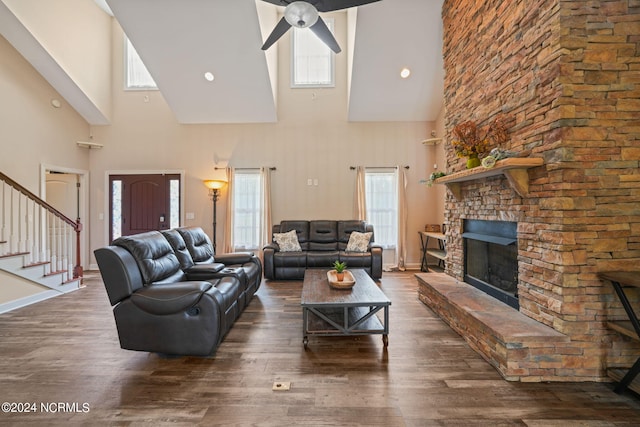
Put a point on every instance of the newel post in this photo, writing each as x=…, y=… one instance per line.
x=77, y=269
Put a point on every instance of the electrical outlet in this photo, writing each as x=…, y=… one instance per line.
x=281, y=386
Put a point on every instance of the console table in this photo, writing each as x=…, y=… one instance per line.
x=630, y=328
x=440, y=253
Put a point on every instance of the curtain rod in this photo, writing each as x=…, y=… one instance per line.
x=378, y=167
x=270, y=168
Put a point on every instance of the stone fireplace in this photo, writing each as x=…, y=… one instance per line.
x=491, y=258
x=564, y=74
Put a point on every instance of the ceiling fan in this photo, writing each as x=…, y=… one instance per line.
x=304, y=14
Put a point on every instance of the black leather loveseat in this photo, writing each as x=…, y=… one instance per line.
x=320, y=244
x=171, y=304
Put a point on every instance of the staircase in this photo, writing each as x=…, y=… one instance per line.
x=39, y=248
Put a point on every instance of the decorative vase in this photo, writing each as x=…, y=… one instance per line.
x=473, y=161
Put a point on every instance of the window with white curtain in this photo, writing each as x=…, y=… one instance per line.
x=137, y=75
x=382, y=205
x=312, y=62
x=247, y=209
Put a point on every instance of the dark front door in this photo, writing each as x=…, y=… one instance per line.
x=140, y=203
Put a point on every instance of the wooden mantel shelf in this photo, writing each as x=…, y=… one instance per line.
x=514, y=168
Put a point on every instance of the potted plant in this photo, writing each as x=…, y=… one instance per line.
x=432, y=178
x=340, y=267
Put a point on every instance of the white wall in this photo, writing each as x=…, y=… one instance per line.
x=312, y=139
x=33, y=133
x=76, y=34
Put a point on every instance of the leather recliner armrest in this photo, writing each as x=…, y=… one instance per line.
x=269, y=266
x=234, y=258
x=202, y=271
x=376, y=261
x=169, y=298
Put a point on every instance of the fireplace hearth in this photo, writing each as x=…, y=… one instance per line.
x=491, y=258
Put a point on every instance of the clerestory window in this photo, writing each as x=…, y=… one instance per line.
x=312, y=62
x=136, y=73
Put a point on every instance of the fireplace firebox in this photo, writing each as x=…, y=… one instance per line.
x=491, y=258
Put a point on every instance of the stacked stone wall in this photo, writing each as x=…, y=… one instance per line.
x=566, y=75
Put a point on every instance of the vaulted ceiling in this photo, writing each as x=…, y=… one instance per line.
x=181, y=40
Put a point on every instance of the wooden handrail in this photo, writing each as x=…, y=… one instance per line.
x=38, y=200
x=76, y=225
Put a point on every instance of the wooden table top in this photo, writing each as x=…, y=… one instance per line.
x=317, y=292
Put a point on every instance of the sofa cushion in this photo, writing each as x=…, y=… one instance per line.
x=290, y=259
x=198, y=244
x=171, y=298
x=324, y=259
x=345, y=228
x=179, y=247
x=358, y=242
x=288, y=241
x=154, y=256
x=302, y=230
x=356, y=259
x=323, y=235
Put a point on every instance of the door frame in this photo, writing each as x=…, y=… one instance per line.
x=107, y=214
x=84, y=204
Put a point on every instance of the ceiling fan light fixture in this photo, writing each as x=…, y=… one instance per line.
x=301, y=14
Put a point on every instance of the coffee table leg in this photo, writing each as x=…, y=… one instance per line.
x=385, y=340
x=305, y=341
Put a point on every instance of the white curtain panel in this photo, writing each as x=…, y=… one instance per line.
x=265, y=220
x=360, y=201
x=401, y=247
x=228, y=225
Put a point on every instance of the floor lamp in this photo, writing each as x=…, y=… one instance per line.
x=214, y=186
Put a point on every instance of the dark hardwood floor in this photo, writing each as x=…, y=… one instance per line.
x=65, y=350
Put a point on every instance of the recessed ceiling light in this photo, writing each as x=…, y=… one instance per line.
x=209, y=76
x=405, y=73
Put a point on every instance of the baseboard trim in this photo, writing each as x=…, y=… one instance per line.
x=25, y=301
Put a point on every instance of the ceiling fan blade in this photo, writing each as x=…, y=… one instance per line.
x=277, y=2
x=321, y=30
x=282, y=27
x=331, y=5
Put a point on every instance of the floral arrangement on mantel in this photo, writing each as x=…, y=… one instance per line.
x=472, y=142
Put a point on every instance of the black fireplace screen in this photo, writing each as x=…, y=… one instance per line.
x=491, y=258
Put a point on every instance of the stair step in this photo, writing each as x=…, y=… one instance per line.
x=14, y=254
x=55, y=273
x=36, y=264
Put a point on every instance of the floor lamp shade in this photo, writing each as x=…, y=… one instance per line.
x=214, y=186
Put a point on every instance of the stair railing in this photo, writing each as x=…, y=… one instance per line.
x=35, y=229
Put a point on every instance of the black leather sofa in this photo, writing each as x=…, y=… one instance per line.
x=164, y=307
x=197, y=259
x=321, y=242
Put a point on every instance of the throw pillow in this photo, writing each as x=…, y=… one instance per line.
x=358, y=242
x=288, y=241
